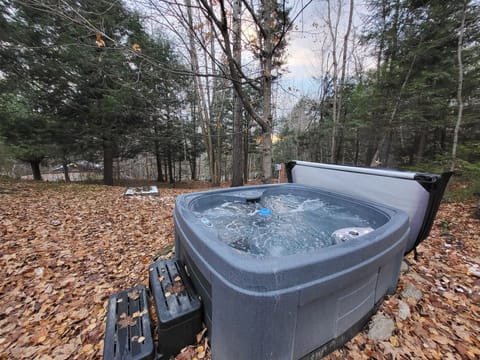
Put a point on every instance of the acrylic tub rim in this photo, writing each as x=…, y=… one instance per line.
x=219, y=255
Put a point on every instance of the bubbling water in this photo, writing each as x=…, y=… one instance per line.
x=281, y=225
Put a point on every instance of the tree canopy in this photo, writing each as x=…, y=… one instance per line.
x=87, y=80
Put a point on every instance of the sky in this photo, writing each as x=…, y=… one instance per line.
x=304, y=60
x=304, y=54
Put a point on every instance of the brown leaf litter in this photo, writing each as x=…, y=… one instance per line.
x=65, y=248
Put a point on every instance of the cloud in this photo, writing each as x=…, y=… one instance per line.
x=302, y=62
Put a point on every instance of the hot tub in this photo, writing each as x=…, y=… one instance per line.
x=287, y=271
x=265, y=302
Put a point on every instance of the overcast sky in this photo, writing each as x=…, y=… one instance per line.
x=304, y=50
x=304, y=55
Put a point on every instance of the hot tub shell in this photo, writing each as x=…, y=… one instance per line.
x=287, y=307
x=302, y=306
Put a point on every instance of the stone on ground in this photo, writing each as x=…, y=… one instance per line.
x=381, y=328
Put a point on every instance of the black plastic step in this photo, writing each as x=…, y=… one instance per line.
x=128, y=335
x=178, y=308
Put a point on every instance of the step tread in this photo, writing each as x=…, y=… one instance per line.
x=177, y=306
x=128, y=333
x=172, y=291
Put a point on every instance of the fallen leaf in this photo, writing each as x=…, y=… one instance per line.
x=134, y=294
x=84, y=261
x=126, y=322
x=137, y=314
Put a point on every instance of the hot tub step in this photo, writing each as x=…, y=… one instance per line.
x=177, y=306
x=128, y=334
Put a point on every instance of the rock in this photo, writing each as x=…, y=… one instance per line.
x=381, y=328
x=403, y=310
x=411, y=291
x=404, y=267
x=417, y=277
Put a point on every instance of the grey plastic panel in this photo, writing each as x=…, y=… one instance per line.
x=260, y=307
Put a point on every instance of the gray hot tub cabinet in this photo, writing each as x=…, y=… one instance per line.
x=301, y=305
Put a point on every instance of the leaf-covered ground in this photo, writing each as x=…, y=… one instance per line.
x=65, y=248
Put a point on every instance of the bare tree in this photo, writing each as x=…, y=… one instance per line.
x=460, y=86
x=237, y=138
x=271, y=22
x=340, y=113
x=333, y=31
x=338, y=53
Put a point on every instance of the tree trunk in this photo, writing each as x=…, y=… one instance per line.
x=158, y=158
x=459, y=88
x=171, y=179
x=203, y=112
x=357, y=146
x=193, y=168
x=340, y=139
x=165, y=169
x=393, y=114
x=218, y=156
x=192, y=158
x=266, y=26
x=65, y=172
x=420, y=146
x=334, y=34
x=267, y=92
x=371, y=151
x=35, y=165
x=245, y=150
x=385, y=161
x=341, y=113
x=237, y=141
x=107, y=162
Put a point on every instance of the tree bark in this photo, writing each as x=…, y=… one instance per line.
x=65, y=172
x=237, y=138
x=341, y=113
x=459, y=88
x=334, y=34
x=171, y=179
x=158, y=158
x=420, y=146
x=192, y=157
x=158, y=155
x=266, y=26
x=107, y=162
x=35, y=165
x=357, y=146
x=246, y=139
x=203, y=111
x=267, y=92
x=376, y=158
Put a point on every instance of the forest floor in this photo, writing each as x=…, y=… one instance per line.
x=65, y=248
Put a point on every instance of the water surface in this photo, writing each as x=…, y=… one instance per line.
x=284, y=224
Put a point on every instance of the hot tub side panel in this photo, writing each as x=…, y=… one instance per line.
x=294, y=321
